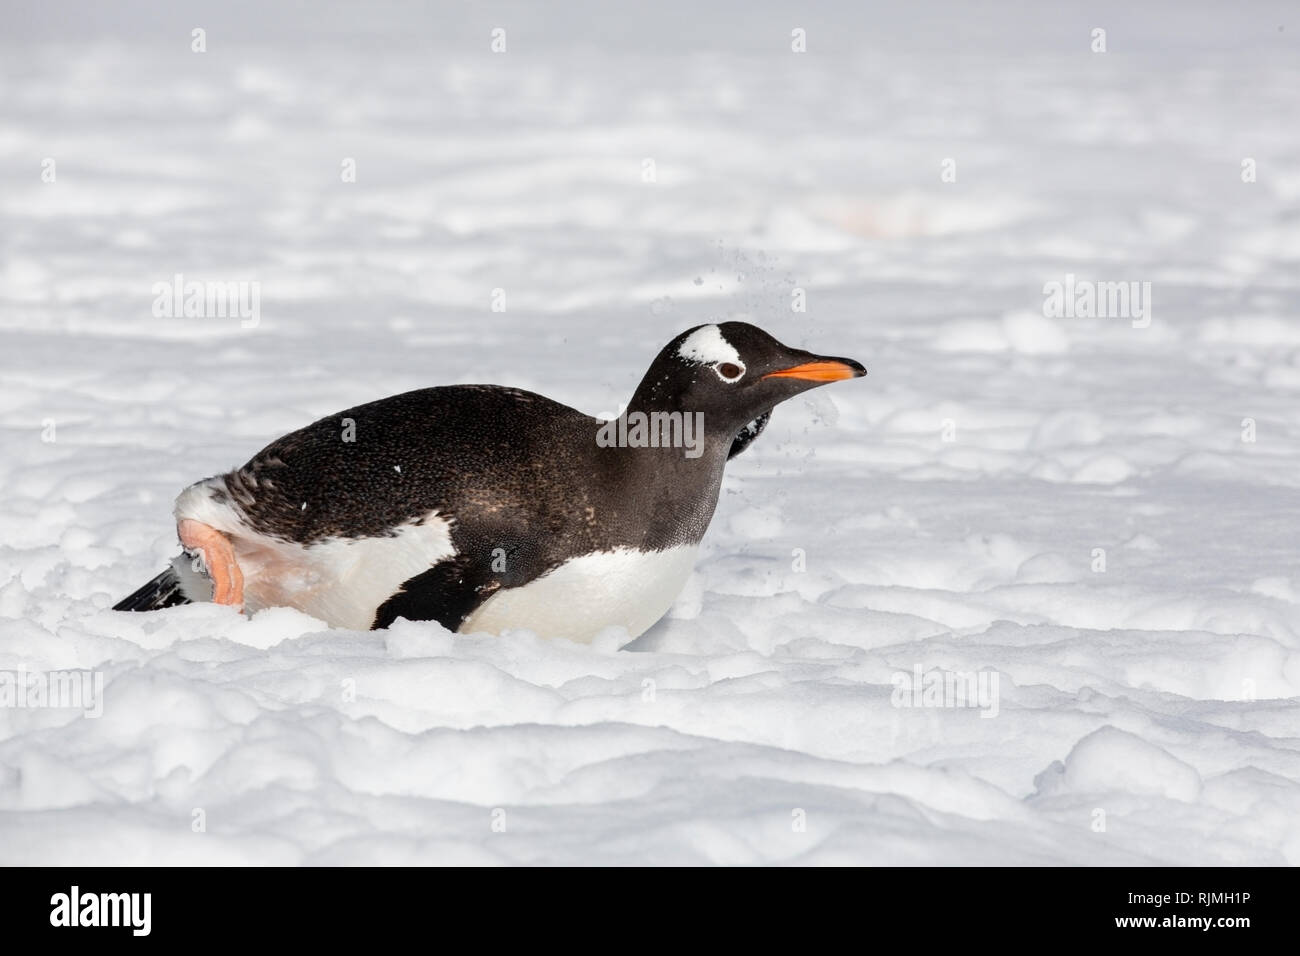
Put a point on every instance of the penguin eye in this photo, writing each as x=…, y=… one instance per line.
x=729, y=371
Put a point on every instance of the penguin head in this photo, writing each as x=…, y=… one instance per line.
x=735, y=374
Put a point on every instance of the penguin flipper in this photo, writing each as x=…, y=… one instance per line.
x=449, y=592
x=747, y=434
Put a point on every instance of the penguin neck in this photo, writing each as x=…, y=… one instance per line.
x=664, y=462
x=660, y=421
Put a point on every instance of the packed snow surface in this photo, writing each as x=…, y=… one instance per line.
x=1088, y=520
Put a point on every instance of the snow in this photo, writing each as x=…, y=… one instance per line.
x=1104, y=516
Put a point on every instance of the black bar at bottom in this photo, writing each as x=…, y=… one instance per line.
x=949, y=905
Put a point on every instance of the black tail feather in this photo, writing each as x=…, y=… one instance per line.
x=162, y=591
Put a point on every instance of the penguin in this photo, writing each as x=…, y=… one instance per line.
x=488, y=508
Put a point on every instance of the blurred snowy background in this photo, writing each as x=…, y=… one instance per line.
x=952, y=510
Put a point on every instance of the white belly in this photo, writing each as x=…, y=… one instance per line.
x=341, y=581
x=344, y=581
x=577, y=600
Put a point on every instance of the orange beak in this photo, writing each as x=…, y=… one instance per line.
x=825, y=370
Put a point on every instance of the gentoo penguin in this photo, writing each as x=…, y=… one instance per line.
x=487, y=508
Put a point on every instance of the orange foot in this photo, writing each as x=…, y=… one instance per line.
x=218, y=557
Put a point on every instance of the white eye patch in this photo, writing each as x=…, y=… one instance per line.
x=706, y=346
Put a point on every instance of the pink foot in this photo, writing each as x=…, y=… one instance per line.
x=218, y=557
